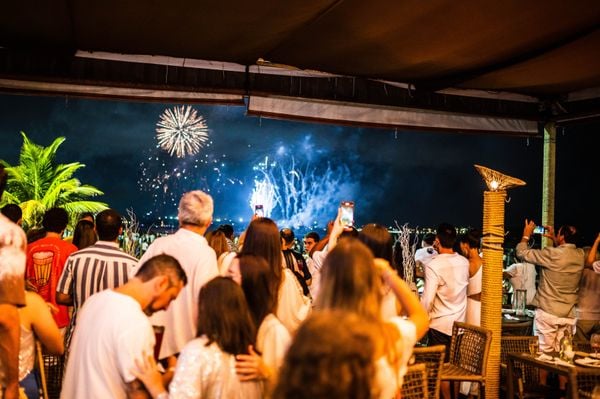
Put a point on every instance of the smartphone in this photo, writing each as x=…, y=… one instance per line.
x=259, y=211
x=539, y=230
x=347, y=217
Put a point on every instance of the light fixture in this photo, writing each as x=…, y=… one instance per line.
x=497, y=181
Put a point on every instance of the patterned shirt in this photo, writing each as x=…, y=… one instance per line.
x=93, y=269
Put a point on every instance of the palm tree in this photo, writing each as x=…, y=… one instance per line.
x=37, y=183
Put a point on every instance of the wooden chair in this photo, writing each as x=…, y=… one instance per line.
x=528, y=378
x=469, y=349
x=42, y=372
x=53, y=366
x=585, y=380
x=433, y=358
x=414, y=385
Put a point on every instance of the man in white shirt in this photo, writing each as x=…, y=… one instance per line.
x=522, y=277
x=199, y=261
x=114, y=334
x=445, y=293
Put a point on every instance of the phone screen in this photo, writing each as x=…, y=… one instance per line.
x=258, y=211
x=539, y=230
x=347, y=216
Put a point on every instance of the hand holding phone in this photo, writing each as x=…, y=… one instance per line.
x=259, y=211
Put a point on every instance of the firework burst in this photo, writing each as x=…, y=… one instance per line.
x=181, y=131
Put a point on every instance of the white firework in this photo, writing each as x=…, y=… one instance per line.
x=181, y=131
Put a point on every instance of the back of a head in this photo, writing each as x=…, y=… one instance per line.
x=84, y=234
x=379, y=240
x=108, y=225
x=227, y=229
x=446, y=235
x=162, y=265
x=472, y=238
x=217, y=241
x=262, y=239
x=257, y=285
x=429, y=238
x=287, y=235
x=89, y=216
x=349, y=280
x=13, y=212
x=195, y=208
x=224, y=317
x=332, y=357
x=55, y=220
x=569, y=233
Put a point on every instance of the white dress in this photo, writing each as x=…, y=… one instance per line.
x=209, y=373
x=293, y=306
x=273, y=341
x=473, y=306
x=388, y=380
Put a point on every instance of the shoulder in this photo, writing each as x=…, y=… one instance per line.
x=34, y=300
x=271, y=325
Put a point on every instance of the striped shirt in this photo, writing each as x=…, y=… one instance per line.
x=93, y=269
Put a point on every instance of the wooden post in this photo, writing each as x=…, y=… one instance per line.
x=549, y=176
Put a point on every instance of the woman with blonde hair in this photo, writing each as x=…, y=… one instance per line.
x=218, y=241
x=352, y=281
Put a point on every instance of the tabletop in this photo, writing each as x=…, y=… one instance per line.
x=570, y=371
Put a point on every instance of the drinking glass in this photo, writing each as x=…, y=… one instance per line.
x=595, y=344
x=533, y=348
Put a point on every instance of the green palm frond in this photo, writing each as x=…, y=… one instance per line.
x=37, y=183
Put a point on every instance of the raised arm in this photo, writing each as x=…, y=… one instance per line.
x=591, y=258
x=409, y=301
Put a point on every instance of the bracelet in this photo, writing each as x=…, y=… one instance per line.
x=525, y=237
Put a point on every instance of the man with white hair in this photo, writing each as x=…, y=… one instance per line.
x=199, y=261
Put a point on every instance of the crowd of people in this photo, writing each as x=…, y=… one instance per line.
x=203, y=315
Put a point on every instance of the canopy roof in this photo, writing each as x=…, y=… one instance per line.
x=523, y=61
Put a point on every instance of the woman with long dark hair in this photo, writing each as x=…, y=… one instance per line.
x=272, y=338
x=84, y=234
x=206, y=366
x=469, y=244
x=291, y=306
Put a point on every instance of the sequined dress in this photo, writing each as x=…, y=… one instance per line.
x=209, y=373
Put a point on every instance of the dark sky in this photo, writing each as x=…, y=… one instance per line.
x=419, y=178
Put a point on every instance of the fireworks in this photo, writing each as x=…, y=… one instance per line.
x=181, y=131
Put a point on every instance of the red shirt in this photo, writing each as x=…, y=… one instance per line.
x=46, y=259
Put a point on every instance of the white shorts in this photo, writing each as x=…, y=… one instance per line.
x=550, y=329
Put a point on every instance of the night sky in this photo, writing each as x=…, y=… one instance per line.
x=419, y=178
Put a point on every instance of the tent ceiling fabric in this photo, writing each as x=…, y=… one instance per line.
x=547, y=49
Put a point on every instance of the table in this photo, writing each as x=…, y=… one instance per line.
x=526, y=358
